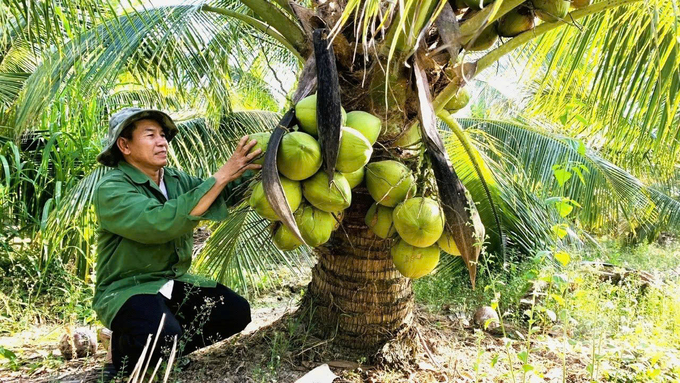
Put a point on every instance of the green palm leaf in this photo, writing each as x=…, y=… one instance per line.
x=617, y=78
x=605, y=192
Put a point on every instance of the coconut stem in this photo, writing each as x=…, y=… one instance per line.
x=472, y=69
x=523, y=38
x=476, y=22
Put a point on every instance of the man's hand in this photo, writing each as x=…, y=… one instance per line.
x=239, y=162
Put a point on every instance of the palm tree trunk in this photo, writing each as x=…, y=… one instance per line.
x=357, y=296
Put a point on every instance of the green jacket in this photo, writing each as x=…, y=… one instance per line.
x=143, y=239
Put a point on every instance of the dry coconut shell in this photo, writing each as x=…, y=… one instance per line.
x=84, y=342
x=78, y=343
x=486, y=318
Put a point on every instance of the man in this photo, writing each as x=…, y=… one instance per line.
x=147, y=213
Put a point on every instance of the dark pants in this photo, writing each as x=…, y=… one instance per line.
x=198, y=316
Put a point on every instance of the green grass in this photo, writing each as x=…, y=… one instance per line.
x=632, y=331
x=29, y=295
x=446, y=290
x=648, y=257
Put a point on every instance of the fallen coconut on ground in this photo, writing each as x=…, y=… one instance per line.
x=486, y=318
x=78, y=343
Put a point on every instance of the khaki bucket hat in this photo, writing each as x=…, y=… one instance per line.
x=124, y=117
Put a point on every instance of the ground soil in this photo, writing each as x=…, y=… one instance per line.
x=270, y=350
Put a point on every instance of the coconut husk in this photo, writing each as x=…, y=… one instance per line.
x=271, y=182
x=459, y=212
x=447, y=24
x=328, y=108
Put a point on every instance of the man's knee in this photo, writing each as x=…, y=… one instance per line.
x=233, y=313
x=171, y=329
x=242, y=311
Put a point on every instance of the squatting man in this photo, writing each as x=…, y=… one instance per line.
x=147, y=213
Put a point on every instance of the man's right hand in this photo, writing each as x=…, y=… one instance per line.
x=239, y=162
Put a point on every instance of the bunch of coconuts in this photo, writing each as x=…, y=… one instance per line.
x=317, y=206
x=416, y=224
x=520, y=19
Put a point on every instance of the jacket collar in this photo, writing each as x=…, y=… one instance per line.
x=139, y=177
x=136, y=175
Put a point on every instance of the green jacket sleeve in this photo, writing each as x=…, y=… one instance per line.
x=124, y=211
x=232, y=194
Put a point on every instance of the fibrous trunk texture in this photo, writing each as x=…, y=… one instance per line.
x=358, y=298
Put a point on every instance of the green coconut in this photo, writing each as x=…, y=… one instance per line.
x=258, y=200
x=515, y=22
x=388, y=182
x=355, y=178
x=458, y=101
x=366, y=123
x=580, y=3
x=419, y=221
x=447, y=244
x=551, y=10
x=330, y=198
x=305, y=112
x=379, y=219
x=285, y=240
x=316, y=226
x=485, y=40
x=475, y=3
x=355, y=151
x=414, y=262
x=299, y=156
x=262, y=142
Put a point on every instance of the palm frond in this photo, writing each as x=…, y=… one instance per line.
x=606, y=193
x=240, y=253
x=525, y=218
x=176, y=45
x=614, y=80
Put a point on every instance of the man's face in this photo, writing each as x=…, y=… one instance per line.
x=148, y=146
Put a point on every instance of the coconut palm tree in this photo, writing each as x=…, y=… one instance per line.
x=611, y=68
